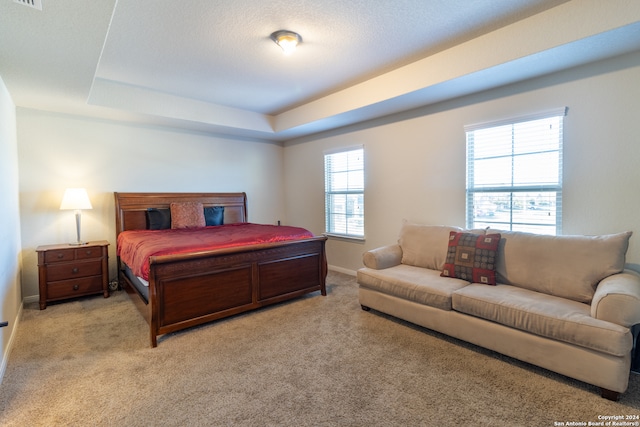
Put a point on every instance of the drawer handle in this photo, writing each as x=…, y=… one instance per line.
x=88, y=252
x=75, y=270
x=76, y=287
x=60, y=256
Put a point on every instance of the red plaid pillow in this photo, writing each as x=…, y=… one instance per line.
x=472, y=257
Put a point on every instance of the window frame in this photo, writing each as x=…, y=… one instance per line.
x=330, y=193
x=512, y=188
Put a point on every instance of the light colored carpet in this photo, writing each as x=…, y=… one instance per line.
x=314, y=361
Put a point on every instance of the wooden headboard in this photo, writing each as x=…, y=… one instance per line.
x=131, y=207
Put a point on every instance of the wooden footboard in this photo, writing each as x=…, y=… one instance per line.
x=188, y=292
x=190, y=289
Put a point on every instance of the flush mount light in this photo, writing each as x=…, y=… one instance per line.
x=287, y=40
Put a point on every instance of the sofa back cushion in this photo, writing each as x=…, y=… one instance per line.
x=565, y=266
x=425, y=245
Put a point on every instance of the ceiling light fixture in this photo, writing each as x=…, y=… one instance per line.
x=287, y=40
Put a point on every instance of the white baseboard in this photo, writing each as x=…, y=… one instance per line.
x=342, y=270
x=14, y=332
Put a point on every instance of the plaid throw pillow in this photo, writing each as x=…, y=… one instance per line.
x=472, y=257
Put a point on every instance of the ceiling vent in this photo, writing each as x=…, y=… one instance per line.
x=36, y=4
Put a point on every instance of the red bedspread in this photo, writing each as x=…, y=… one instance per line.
x=134, y=247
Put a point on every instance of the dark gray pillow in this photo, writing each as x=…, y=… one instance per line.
x=214, y=215
x=158, y=219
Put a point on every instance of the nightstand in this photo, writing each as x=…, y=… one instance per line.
x=68, y=271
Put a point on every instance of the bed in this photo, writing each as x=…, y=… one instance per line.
x=191, y=288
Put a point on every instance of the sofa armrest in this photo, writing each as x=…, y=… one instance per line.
x=384, y=257
x=617, y=299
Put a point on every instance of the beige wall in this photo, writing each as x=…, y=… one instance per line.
x=10, y=295
x=57, y=151
x=415, y=161
x=415, y=165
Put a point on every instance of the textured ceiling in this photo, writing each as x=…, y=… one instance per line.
x=220, y=52
x=210, y=65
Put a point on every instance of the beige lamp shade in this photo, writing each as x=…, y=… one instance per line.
x=75, y=198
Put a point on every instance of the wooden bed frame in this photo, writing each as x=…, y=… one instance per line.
x=190, y=289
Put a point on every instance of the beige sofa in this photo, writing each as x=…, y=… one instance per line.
x=564, y=303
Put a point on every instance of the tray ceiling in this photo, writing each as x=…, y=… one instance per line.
x=211, y=67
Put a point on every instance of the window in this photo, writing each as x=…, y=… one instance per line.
x=514, y=174
x=344, y=193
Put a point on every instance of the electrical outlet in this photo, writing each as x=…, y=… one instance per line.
x=114, y=285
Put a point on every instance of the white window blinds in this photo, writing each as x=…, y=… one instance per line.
x=514, y=174
x=344, y=193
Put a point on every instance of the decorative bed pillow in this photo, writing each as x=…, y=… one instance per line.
x=158, y=219
x=187, y=215
x=472, y=257
x=214, y=215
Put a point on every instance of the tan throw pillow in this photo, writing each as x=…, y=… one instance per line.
x=472, y=257
x=187, y=215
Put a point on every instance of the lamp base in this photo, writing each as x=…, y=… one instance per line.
x=78, y=241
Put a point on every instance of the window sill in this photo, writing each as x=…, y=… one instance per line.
x=345, y=237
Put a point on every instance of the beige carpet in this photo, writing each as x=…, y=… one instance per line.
x=315, y=361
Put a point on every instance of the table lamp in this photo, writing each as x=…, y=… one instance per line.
x=76, y=199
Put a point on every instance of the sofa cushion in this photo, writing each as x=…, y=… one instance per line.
x=415, y=284
x=424, y=245
x=564, y=266
x=472, y=257
x=545, y=315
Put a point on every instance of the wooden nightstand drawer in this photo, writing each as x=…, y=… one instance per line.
x=59, y=255
x=73, y=288
x=72, y=270
x=67, y=271
x=88, y=253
